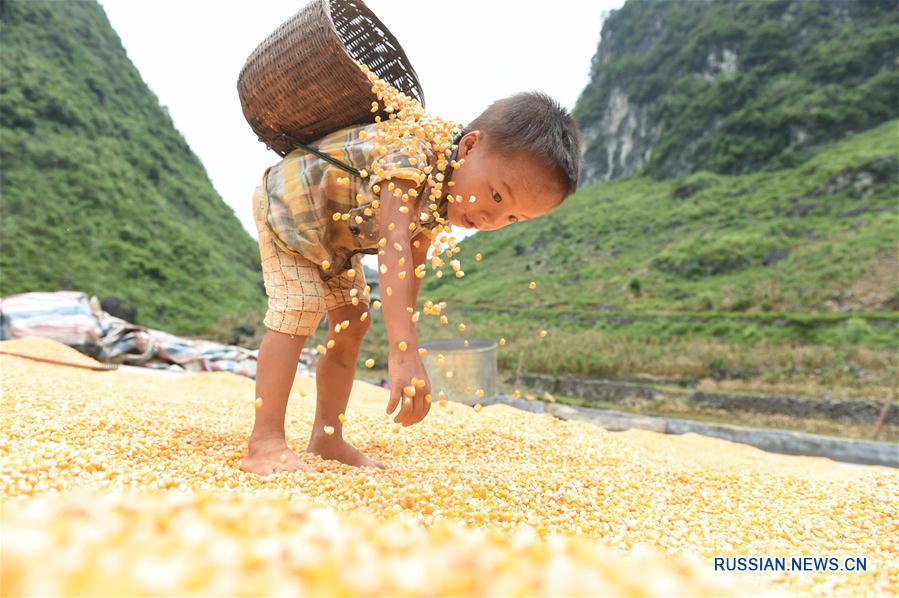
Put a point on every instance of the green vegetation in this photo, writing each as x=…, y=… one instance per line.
x=804, y=74
x=785, y=241
x=101, y=193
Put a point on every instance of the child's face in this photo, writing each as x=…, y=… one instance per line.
x=506, y=191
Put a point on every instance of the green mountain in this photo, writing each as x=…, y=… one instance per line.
x=100, y=192
x=736, y=86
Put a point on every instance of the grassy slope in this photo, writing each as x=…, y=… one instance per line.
x=100, y=192
x=722, y=248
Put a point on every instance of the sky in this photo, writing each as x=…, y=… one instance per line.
x=467, y=53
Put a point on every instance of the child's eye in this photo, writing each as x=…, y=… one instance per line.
x=495, y=196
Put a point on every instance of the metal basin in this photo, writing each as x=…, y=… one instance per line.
x=473, y=366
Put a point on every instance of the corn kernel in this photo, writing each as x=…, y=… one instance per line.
x=369, y=363
x=409, y=391
x=345, y=324
x=502, y=342
x=543, y=333
x=478, y=407
x=258, y=402
x=477, y=257
x=402, y=346
x=376, y=304
x=330, y=344
x=479, y=393
x=342, y=418
x=532, y=285
x=461, y=327
x=422, y=351
x=363, y=316
x=328, y=430
x=326, y=264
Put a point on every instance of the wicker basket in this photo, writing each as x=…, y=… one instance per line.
x=301, y=83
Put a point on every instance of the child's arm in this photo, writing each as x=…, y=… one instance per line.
x=398, y=292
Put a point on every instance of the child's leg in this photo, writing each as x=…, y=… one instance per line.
x=276, y=369
x=334, y=379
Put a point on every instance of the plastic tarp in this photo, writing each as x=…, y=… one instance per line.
x=70, y=317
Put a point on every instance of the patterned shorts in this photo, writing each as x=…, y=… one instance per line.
x=297, y=296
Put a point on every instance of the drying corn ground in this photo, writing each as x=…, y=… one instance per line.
x=121, y=483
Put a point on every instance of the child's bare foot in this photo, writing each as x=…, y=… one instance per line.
x=269, y=455
x=335, y=447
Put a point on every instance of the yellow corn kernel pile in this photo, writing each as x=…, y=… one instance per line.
x=560, y=506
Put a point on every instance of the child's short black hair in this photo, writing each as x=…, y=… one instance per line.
x=535, y=123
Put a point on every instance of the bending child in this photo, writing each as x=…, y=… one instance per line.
x=521, y=158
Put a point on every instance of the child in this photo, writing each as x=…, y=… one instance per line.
x=521, y=159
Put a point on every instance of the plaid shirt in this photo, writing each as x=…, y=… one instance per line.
x=302, y=195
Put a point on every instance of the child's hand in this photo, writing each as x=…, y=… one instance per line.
x=402, y=368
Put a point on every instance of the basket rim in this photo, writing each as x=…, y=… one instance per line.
x=374, y=17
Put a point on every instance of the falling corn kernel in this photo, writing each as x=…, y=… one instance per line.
x=369, y=363
x=326, y=264
x=330, y=344
x=468, y=390
x=459, y=273
x=479, y=393
x=376, y=304
x=422, y=351
x=543, y=333
x=342, y=418
x=532, y=285
x=258, y=402
x=461, y=327
x=449, y=374
x=502, y=342
x=415, y=318
x=517, y=394
x=363, y=317
x=321, y=349
x=328, y=430
x=444, y=320
x=402, y=346
x=345, y=324
x=477, y=257
x=478, y=407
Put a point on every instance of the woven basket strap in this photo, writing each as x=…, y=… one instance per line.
x=340, y=164
x=326, y=157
